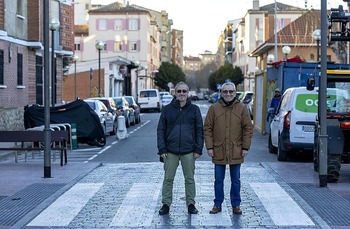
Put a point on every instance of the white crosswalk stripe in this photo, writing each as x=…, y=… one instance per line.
x=66, y=207
x=140, y=203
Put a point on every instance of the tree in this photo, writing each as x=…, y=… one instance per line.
x=225, y=72
x=168, y=72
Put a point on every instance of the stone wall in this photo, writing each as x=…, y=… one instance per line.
x=11, y=119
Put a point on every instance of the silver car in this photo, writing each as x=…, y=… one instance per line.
x=108, y=121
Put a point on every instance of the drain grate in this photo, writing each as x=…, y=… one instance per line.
x=331, y=207
x=13, y=208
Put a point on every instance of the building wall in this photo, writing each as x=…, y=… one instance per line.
x=12, y=94
x=83, y=85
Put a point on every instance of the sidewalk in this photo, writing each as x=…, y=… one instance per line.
x=87, y=195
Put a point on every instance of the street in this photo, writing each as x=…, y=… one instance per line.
x=119, y=186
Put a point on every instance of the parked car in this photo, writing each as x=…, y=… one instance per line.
x=238, y=94
x=167, y=99
x=125, y=110
x=135, y=107
x=293, y=124
x=108, y=121
x=109, y=103
x=213, y=97
x=149, y=99
x=161, y=93
x=246, y=97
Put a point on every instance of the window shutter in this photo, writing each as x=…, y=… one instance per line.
x=110, y=24
x=138, y=46
x=127, y=24
x=138, y=24
x=124, y=24
x=110, y=45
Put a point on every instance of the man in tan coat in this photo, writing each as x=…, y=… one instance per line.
x=228, y=131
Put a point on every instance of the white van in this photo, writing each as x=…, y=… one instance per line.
x=293, y=126
x=149, y=99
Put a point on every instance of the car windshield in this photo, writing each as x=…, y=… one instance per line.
x=118, y=101
x=130, y=101
x=91, y=104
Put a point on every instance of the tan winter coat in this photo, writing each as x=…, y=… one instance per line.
x=228, y=130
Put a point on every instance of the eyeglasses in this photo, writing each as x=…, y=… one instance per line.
x=228, y=91
x=183, y=91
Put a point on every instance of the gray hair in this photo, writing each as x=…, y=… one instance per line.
x=182, y=83
x=229, y=84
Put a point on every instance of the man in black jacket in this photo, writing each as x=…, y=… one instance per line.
x=180, y=138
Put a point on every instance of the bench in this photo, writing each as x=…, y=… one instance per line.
x=59, y=141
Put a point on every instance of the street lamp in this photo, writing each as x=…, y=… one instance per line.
x=137, y=64
x=54, y=24
x=286, y=50
x=270, y=59
x=99, y=46
x=146, y=76
x=317, y=36
x=75, y=59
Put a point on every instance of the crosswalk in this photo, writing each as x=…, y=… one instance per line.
x=129, y=196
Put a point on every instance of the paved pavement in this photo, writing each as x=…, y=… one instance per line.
x=91, y=195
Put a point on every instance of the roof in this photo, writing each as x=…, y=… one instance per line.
x=117, y=7
x=280, y=7
x=298, y=32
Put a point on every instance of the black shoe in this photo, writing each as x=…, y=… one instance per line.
x=192, y=209
x=164, y=210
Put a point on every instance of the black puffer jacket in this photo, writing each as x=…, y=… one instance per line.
x=187, y=134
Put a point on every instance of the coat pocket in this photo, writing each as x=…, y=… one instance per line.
x=237, y=150
x=218, y=151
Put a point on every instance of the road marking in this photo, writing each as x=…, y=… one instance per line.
x=283, y=210
x=135, y=208
x=203, y=218
x=66, y=207
x=98, y=153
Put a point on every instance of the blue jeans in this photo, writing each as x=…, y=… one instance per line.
x=235, y=175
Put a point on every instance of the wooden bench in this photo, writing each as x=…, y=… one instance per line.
x=59, y=141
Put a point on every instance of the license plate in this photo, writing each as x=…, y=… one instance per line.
x=308, y=128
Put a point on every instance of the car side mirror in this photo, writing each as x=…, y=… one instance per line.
x=310, y=84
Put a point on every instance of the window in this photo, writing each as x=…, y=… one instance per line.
x=102, y=24
x=118, y=46
x=1, y=67
x=20, y=7
x=133, y=24
x=77, y=47
x=118, y=24
x=19, y=69
x=133, y=46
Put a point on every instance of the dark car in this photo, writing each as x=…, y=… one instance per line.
x=125, y=110
x=135, y=107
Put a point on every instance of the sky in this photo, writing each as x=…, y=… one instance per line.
x=203, y=21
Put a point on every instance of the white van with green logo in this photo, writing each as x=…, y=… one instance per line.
x=293, y=126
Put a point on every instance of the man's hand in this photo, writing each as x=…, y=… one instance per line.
x=196, y=155
x=164, y=155
x=210, y=152
x=244, y=153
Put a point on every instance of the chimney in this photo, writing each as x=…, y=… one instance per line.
x=256, y=5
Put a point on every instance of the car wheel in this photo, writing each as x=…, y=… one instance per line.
x=133, y=121
x=281, y=154
x=137, y=119
x=272, y=149
x=115, y=128
x=127, y=122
